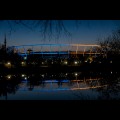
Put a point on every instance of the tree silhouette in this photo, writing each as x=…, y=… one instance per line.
x=111, y=44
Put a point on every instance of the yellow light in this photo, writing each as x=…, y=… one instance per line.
x=8, y=63
x=23, y=75
x=76, y=62
x=66, y=62
x=22, y=63
x=76, y=74
x=111, y=61
x=8, y=76
x=25, y=58
x=42, y=75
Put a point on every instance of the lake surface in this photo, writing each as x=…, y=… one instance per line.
x=61, y=86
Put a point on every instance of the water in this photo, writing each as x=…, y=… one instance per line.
x=61, y=86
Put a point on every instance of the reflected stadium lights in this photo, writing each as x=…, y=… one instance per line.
x=86, y=88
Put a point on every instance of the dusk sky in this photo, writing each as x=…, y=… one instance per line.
x=88, y=31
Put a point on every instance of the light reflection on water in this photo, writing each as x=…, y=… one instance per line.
x=34, y=87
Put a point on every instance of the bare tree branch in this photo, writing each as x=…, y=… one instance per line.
x=111, y=44
x=47, y=28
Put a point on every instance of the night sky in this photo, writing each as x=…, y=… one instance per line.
x=87, y=31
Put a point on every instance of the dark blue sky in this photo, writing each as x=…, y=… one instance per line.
x=88, y=31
